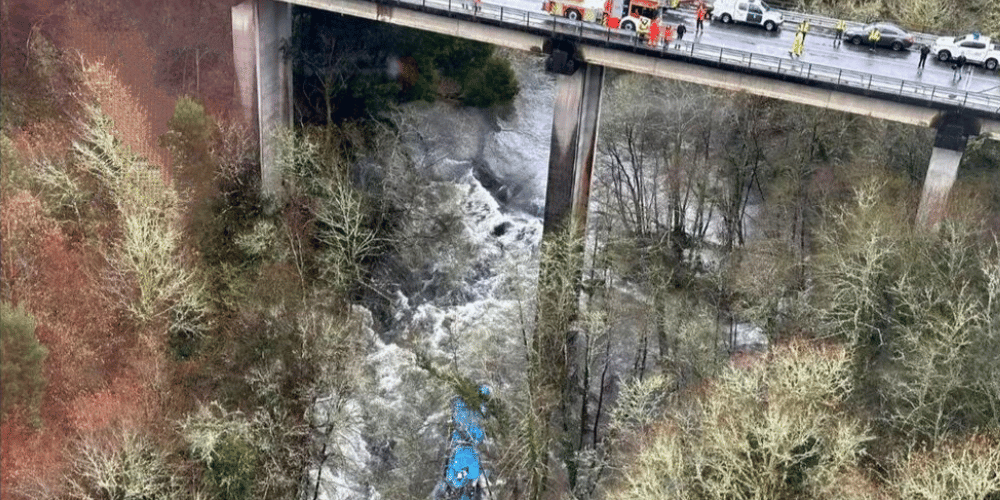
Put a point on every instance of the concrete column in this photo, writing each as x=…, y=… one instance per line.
x=574, y=146
x=274, y=84
x=263, y=76
x=245, y=59
x=949, y=145
x=571, y=162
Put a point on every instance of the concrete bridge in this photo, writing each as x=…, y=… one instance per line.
x=579, y=52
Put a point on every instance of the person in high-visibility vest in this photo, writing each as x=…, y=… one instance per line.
x=642, y=29
x=675, y=4
x=799, y=43
x=874, y=36
x=699, y=19
x=804, y=27
x=838, y=38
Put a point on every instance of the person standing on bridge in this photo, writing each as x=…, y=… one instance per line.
x=654, y=33
x=924, y=50
x=804, y=28
x=874, y=36
x=479, y=6
x=699, y=26
x=838, y=37
x=799, y=44
x=959, y=63
x=681, y=29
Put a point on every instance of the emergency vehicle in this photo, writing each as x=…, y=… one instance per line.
x=635, y=15
x=638, y=15
x=976, y=48
x=576, y=10
x=749, y=12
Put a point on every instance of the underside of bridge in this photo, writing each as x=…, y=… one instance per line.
x=953, y=133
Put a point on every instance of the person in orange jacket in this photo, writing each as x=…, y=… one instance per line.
x=700, y=19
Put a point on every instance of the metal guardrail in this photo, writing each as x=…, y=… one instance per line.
x=854, y=82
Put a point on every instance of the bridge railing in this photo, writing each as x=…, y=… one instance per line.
x=855, y=82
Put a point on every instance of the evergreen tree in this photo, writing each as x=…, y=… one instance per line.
x=21, y=360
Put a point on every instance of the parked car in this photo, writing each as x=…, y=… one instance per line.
x=892, y=36
x=976, y=48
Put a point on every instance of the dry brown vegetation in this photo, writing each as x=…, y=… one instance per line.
x=104, y=371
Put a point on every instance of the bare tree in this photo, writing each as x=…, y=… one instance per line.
x=121, y=464
x=766, y=428
x=955, y=469
x=917, y=310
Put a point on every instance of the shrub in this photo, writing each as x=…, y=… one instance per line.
x=13, y=175
x=21, y=361
x=189, y=133
x=63, y=195
x=952, y=471
x=126, y=466
x=767, y=429
x=225, y=443
x=456, y=58
x=148, y=260
x=493, y=84
x=918, y=310
x=345, y=221
x=189, y=321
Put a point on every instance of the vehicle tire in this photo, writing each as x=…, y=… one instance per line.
x=944, y=55
x=726, y=18
x=628, y=25
x=897, y=46
x=770, y=26
x=573, y=15
x=856, y=40
x=990, y=64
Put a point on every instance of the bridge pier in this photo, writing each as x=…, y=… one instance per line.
x=263, y=77
x=574, y=146
x=949, y=145
x=554, y=347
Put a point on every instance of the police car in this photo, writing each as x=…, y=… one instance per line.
x=749, y=12
x=975, y=47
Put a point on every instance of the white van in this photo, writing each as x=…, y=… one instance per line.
x=748, y=11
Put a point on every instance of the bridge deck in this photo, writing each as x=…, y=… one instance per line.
x=813, y=84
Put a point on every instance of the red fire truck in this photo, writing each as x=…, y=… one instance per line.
x=635, y=15
x=586, y=10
